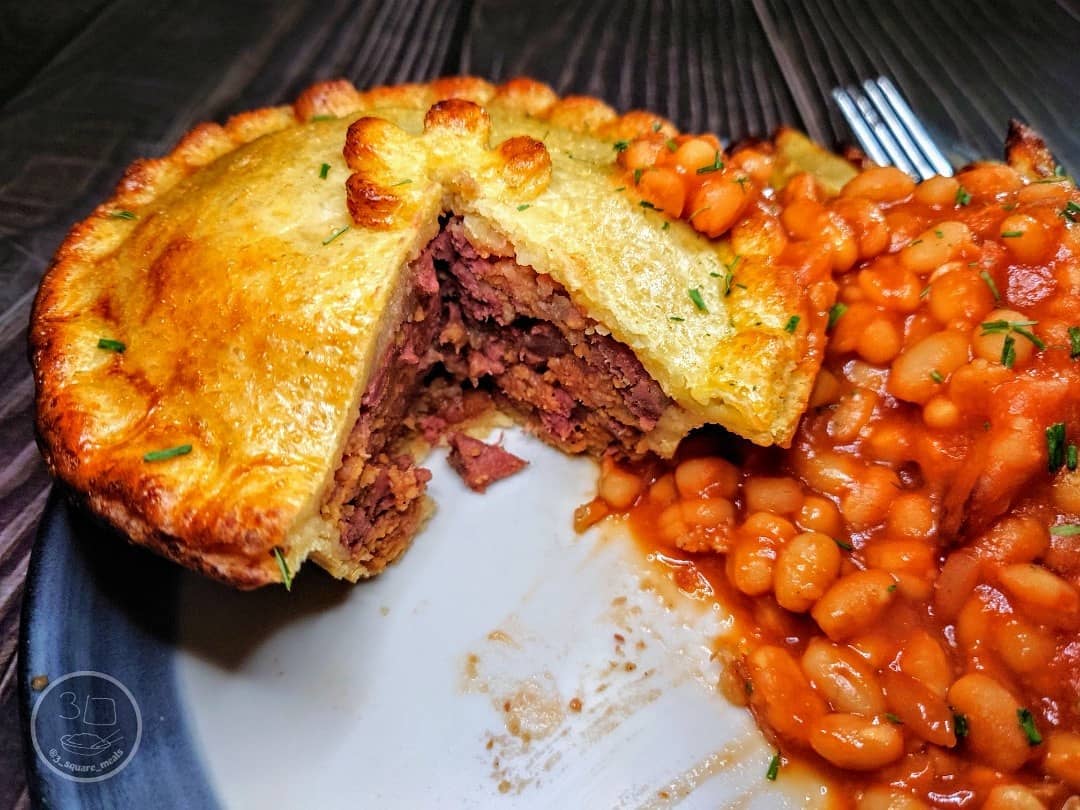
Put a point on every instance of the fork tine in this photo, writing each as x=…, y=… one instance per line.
x=896, y=153
x=863, y=134
x=897, y=129
x=918, y=132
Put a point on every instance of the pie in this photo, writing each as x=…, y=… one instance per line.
x=228, y=353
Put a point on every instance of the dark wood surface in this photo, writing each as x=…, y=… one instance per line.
x=86, y=87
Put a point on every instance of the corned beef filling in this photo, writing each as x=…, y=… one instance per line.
x=481, y=322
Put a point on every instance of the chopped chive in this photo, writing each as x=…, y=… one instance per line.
x=335, y=235
x=1070, y=211
x=621, y=146
x=940, y=234
x=167, y=453
x=960, y=725
x=1024, y=332
x=989, y=327
x=695, y=296
x=894, y=719
x=122, y=214
x=1074, y=342
x=656, y=126
x=985, y=276
x=324, y=170
x=916, y=242
x=742, y=181
x=404, y=182
x=286, y=575
x=1011, y=234
x=621, y=188
x=523, y=206
x=774, y=768
x=925, y=291
x=843, y=544
x=637, y=175
x=676, y=318
x=671, y=145
x=962, y=196
x=1027, y=723
x=891, y=588
x=1065, y=530
x=323, y=118
x=647, y=204
x=665, y=226
x=112, y=345
x=935, y=375
x=716, y=166
x=1008, y=351
x=1071, y=460
x=1055, y=446
x=836, y=312
x=792, y=324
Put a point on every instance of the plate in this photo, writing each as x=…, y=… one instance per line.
x=504, y=661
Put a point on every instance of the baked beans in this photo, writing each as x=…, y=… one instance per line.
x=907, y=575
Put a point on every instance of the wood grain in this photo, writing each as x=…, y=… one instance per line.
x=103, y=83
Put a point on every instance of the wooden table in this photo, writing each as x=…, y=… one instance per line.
x=90, y=85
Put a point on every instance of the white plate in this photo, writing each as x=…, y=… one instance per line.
x=448, y=680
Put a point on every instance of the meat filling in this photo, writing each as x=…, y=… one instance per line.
x=478, y=321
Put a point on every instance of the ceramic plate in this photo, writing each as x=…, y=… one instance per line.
x=504, y=661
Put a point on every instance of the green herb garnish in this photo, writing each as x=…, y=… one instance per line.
x=665, y=226
x=1027, y=723
x=891, y=588
x=1071, y=460
x=1020, y=327
x=286, y=574
x=695, y=296
x=323, y=118
x=166, y=454
x=1070, y=211
x=621, y=188
x=940, y=234
x=774, y=768
x=960, y=725
x=647, y=204
x=676, y=318
x=792, y=324
x=335, y=235
x=935, y=375
x=1055, y=446
x=962, y=196
x=324, y=170
x=1065, y=530
x=122, y=214
x=716, y=166
x=637, y=175
x=401, y=183
x=112, y=345
x=671, y=145
x=1011, y=234
x=1008, y=351
x=523, y=206
x=843, y=544
x=985, y=276
x=894, y=719
x=836, y=312
x=656, y=126
x=620, y=146
x=1074, y=342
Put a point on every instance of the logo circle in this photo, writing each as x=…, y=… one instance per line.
x=86, y=726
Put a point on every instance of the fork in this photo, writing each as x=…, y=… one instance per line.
x=888, y=130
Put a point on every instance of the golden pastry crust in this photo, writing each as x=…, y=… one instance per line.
x=247, y=291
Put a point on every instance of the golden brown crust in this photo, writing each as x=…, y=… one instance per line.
x=184, y=509
x=1026, y=152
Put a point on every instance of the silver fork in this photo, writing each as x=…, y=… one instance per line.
x=887, y=129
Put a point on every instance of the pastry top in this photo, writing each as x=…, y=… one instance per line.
x=202, y=340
